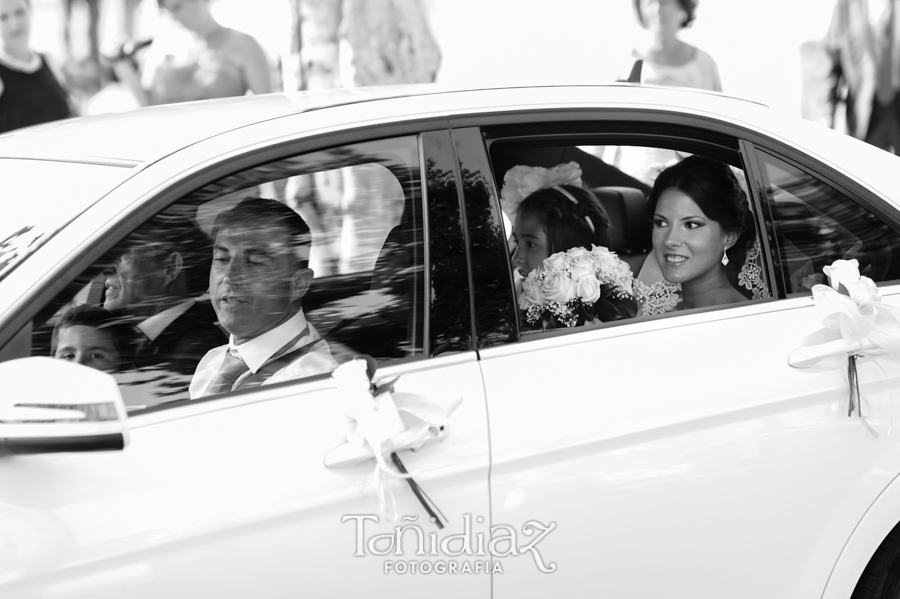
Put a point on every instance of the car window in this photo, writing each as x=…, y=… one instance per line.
x=620, y=175
x=337, y=233
x=816, y=224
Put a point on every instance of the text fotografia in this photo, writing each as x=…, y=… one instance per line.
x=411, y=540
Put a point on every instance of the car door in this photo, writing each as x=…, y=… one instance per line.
x=681, y=455
x=230, y=496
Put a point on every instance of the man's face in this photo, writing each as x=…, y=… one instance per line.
x=135, y=283
x=254, y=279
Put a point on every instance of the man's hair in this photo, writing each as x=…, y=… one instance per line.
x=165, y=234
x=123, y=334
x=270, y=213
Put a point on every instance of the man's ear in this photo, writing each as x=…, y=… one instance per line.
x=300, y=282
x=173, y=267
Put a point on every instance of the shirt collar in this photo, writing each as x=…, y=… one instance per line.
x=156, y=324
x=258, y=350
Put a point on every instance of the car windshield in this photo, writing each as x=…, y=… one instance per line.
x=40, y=197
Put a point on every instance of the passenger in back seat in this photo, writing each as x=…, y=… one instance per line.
x=702, y=226
x=551, y=213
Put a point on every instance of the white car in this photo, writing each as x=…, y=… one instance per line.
x=676, y=455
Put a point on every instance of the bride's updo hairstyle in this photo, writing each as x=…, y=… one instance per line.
x=574, y=220
x=713, y=186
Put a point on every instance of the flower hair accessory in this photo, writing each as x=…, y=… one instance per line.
x=521, y=181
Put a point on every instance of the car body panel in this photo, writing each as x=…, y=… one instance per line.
x=769, y=468
x=248, y=501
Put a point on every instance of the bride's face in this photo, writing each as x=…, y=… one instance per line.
x=531, y=243
x=688, y=245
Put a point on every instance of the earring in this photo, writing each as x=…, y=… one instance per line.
x=725, y=257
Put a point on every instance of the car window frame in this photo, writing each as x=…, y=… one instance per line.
x=638, y=132
x=163, y=194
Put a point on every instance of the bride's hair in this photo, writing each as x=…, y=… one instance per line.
x=713, y=186
x=568, y=223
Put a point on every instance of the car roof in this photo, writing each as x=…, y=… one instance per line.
x=147, y=134
x=143, y=136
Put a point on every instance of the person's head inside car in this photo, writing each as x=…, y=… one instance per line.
x=159, y=265
x=93, y=337
x=260, y=268
x=259, y=275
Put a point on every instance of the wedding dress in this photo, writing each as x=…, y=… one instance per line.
x=663, y=296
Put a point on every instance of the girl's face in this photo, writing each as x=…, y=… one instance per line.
x=87, y=346
x=688, y=246
x=531, y=243
x=15, y=23
x=662, y=14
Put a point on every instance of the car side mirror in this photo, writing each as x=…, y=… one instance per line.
x=52, y=406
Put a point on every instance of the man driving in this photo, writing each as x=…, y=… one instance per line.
x=259, y=275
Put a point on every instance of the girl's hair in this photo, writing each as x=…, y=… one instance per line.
x=713, y=186
x=688, y=6
x=123, y=334
x=567, y=222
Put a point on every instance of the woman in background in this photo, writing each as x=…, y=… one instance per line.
x=29, y=92
x=217, y=62
x=667, y=59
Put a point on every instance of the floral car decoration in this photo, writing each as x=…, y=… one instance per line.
x=856, y=324
x=575, y=287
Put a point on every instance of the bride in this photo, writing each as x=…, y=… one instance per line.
x=702, y=231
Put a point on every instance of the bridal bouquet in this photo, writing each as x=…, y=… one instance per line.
x=576, y=287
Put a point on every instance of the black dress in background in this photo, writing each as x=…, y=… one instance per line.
x=31, y=98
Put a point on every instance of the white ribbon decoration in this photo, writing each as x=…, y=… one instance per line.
x=379, y=425
x=856, y=325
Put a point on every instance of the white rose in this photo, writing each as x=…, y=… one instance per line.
x=604, y=260
x=582, y=264
x=863, y=290
x=557, y=287
x=588, y=290
x=555, y=262
x=577, y=252
x=842, y=272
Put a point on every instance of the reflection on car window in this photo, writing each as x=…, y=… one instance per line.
x=286, y=269
x=815, y=225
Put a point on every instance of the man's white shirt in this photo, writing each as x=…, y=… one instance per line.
x=257, y=351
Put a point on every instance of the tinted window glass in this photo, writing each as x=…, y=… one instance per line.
x=815, y=224
x=306, y=262
x=451, y=316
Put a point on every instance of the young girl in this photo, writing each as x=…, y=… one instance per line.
x=93, y=337
x=551, y=213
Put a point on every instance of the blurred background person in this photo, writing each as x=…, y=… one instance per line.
x=667, y=59
x=206, y=61
x=29, y=91
x=862, y=44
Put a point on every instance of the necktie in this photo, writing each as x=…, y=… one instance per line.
x=232, y=368
x=884, y=90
